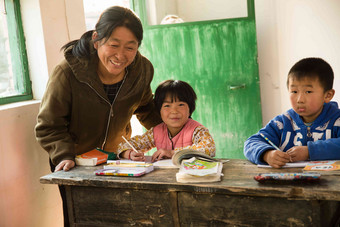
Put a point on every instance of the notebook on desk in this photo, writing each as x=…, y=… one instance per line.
x=288, y=165
x=161, y=164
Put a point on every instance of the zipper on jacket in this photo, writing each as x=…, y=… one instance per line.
x=172, y=143
x=111, y=111
x=309, y=134
x=111, y=105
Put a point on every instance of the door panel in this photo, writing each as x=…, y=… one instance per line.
x=219, y=60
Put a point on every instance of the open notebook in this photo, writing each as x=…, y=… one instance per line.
x=288, y=165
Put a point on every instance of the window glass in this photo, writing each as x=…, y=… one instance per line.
x=15, y=84
x=179, y=11
x=6, y=73
x=93, y=9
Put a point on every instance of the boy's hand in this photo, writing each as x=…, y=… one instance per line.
x=276, y=158
x=298, y=153
x=162, y=153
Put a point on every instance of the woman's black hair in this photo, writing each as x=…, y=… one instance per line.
x=177, y=89
x=109, y=20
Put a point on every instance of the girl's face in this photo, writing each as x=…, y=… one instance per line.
x=117, y=53
x=174, y=114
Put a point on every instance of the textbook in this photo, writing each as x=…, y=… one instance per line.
x=195, y=170
x=331, y=167
x=91, y=158
x=189, y=153
x=177, y=158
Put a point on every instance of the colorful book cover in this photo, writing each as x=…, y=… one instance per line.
x=91, y=158
x=199, y=167
x=197, y=171
x=322, y=166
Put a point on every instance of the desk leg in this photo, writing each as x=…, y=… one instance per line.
x=70, y=205
x=174, y=208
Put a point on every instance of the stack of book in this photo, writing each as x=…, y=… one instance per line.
x=91, y=158
x=195, y=167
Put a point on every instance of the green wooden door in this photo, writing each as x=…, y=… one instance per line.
x=219, y=59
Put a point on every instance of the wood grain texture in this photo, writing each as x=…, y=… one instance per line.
x=156, y=199
x=237, y=180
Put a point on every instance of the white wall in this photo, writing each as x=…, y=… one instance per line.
x=23, y=200
x=287, y=31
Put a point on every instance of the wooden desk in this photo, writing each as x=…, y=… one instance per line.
x=156, y=199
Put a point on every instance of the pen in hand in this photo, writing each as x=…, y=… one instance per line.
x=271, y=143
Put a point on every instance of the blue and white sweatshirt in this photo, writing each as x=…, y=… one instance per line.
x=288, y=130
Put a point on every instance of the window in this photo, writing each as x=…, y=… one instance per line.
x=93, y=9
x=15, y=84
x=180, y=11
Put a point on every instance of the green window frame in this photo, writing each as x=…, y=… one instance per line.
x=21, y=80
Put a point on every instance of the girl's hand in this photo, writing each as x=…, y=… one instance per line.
x=134, y=156
x=65, y=165
x=162, y=153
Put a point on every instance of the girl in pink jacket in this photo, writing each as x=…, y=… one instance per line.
x=175, y=101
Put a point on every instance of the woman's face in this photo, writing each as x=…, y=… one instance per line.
x=117, y=52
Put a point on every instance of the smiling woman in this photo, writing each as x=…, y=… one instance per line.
x=93, y=93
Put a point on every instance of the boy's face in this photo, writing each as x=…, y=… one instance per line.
x=307, y=97
x=174, y=114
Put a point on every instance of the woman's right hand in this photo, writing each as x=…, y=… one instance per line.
x=65, y=165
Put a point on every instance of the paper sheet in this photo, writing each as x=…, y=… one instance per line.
x=288, y=165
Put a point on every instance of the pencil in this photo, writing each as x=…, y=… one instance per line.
x=130, y=145
x=270, y=142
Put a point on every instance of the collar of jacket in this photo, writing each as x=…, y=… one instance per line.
x=330, y=111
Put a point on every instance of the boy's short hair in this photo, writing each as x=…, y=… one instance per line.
x=313, y=68
x=176, y=89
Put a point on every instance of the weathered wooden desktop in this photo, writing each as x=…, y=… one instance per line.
x=156, y=199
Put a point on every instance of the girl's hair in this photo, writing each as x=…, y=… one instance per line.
x=176, y=89
x=109, y=20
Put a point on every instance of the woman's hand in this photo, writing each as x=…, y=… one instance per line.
x=162, y=153
x=65, y=165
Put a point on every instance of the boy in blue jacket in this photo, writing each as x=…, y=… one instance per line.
x=308, y=131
